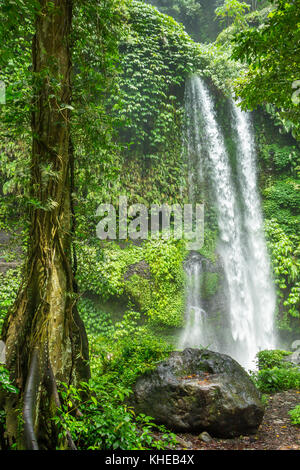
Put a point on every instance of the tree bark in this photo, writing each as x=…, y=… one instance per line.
x=43, y=329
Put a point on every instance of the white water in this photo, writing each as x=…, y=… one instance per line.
x=194, y=334
x=242, y=247
x=261, y=285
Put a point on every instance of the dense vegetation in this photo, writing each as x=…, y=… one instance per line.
x=126, y=116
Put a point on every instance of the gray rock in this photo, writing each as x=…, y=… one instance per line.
x=183, y=443
x=205, y=437
x=200, y=390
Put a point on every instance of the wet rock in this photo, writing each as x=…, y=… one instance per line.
x=200, y=390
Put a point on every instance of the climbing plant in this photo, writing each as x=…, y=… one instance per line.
x=285, y=257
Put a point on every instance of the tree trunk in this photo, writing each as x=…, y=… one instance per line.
x=43, y=333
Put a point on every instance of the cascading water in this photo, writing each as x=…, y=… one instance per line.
x=195, y=331
x=242, y=249
x=261, y=285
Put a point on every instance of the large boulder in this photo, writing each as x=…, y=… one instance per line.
x=200, y=390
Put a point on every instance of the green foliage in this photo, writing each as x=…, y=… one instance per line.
x=268, y=359
x=271, y=53
x=6, y=385
x=285, y=258
x=105, y=423
x=139, y=290
x=96, y=322
x=105, y=419
x=197, y=16
x=284, y=193
x=157, y=56
x=15, y=140
x=253, y=19
x=295, y=415
x=9, y=287
x=98, y=27
x=274, y=374
x=165, y=259
x=160, y=298
x=282, y=201
x=183, y=11
x=281, y=158
x=102, y=271
x=278, y=379
x=218, y=66
x=232, y=11
x=130, y=352
x=279, y=168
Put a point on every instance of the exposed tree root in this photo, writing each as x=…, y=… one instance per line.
x=30, y=402
x=31, y=398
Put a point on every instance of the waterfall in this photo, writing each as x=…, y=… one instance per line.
x=241, y=247
x=194, y=334
x=262, y=287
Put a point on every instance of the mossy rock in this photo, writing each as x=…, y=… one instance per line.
x=200, y=390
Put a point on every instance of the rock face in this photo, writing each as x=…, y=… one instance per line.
x=200, y=390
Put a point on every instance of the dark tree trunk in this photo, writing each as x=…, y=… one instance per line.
x=45, y=338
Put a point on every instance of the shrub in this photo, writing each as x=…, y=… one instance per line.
x=104, y=422
x=277, y=379
x=268, y=359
